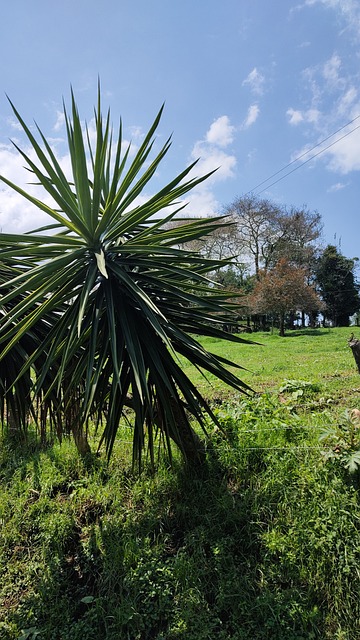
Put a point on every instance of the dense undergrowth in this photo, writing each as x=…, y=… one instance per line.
x=261, y=543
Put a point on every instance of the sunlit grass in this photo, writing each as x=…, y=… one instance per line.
x=320, y=355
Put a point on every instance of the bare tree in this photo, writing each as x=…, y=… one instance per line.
x=299, y=236
x=219, y=244
x=257, y=228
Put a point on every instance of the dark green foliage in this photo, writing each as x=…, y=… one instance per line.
x=338, y=288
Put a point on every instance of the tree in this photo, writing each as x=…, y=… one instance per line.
x=219, y=244
x=299, y=231
x=268, y=232
x=337, y=286
x=257, y=228
x=284, y=289
x=118, y=298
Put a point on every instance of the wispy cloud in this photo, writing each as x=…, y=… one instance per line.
x=14, y=124
x=338, y=186
x=255, y=80
x=331, y=70
x=252, y=116
x=347, y=101
x=348, y=10
x=333, y=101
x=60, y=121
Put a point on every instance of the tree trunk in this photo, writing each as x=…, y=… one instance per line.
x=354, y=345
x=282, y=324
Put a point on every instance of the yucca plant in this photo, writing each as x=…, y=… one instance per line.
x=15, y=394
x=18, y=405
x=125, y=301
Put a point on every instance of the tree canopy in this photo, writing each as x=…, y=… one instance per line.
x=284, y=289
x=335, y=279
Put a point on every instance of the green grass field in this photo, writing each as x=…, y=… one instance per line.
x=321, y=355
x=262, y=543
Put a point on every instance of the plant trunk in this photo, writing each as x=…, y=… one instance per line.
x=354, y=345
x=13, y=420
x=73, y=424
x=184, y=436
x=81, y=441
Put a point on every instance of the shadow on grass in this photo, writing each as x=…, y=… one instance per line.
x=295, y=333
x=179, y=555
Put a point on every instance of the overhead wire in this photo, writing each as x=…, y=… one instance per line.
x=305, y=153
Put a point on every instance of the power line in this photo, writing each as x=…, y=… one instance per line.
x=309, y=159
x=304, y=154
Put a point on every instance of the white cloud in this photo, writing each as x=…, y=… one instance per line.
x=60, y=121
x=338, y=186
x=14, y=124
x=211, y=156
x=136, y=133
x=346, y=102
x=344, y=156
x=325, y=80
x=331, y=69
x=17, y=214
x=296, y=117
x=333, y=101
x=255, y=80
x=349, y=10
x=221, y=132
x=201, y=202
x=251, y=156
x=340, y=153
x=252, y=116
x=210, y=150
x=312, y=115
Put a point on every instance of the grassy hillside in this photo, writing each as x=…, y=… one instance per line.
x=321, y=355
x=261, y=543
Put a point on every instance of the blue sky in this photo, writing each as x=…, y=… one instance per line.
x=249, y=86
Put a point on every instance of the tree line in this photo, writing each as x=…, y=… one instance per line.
x=274, y=259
